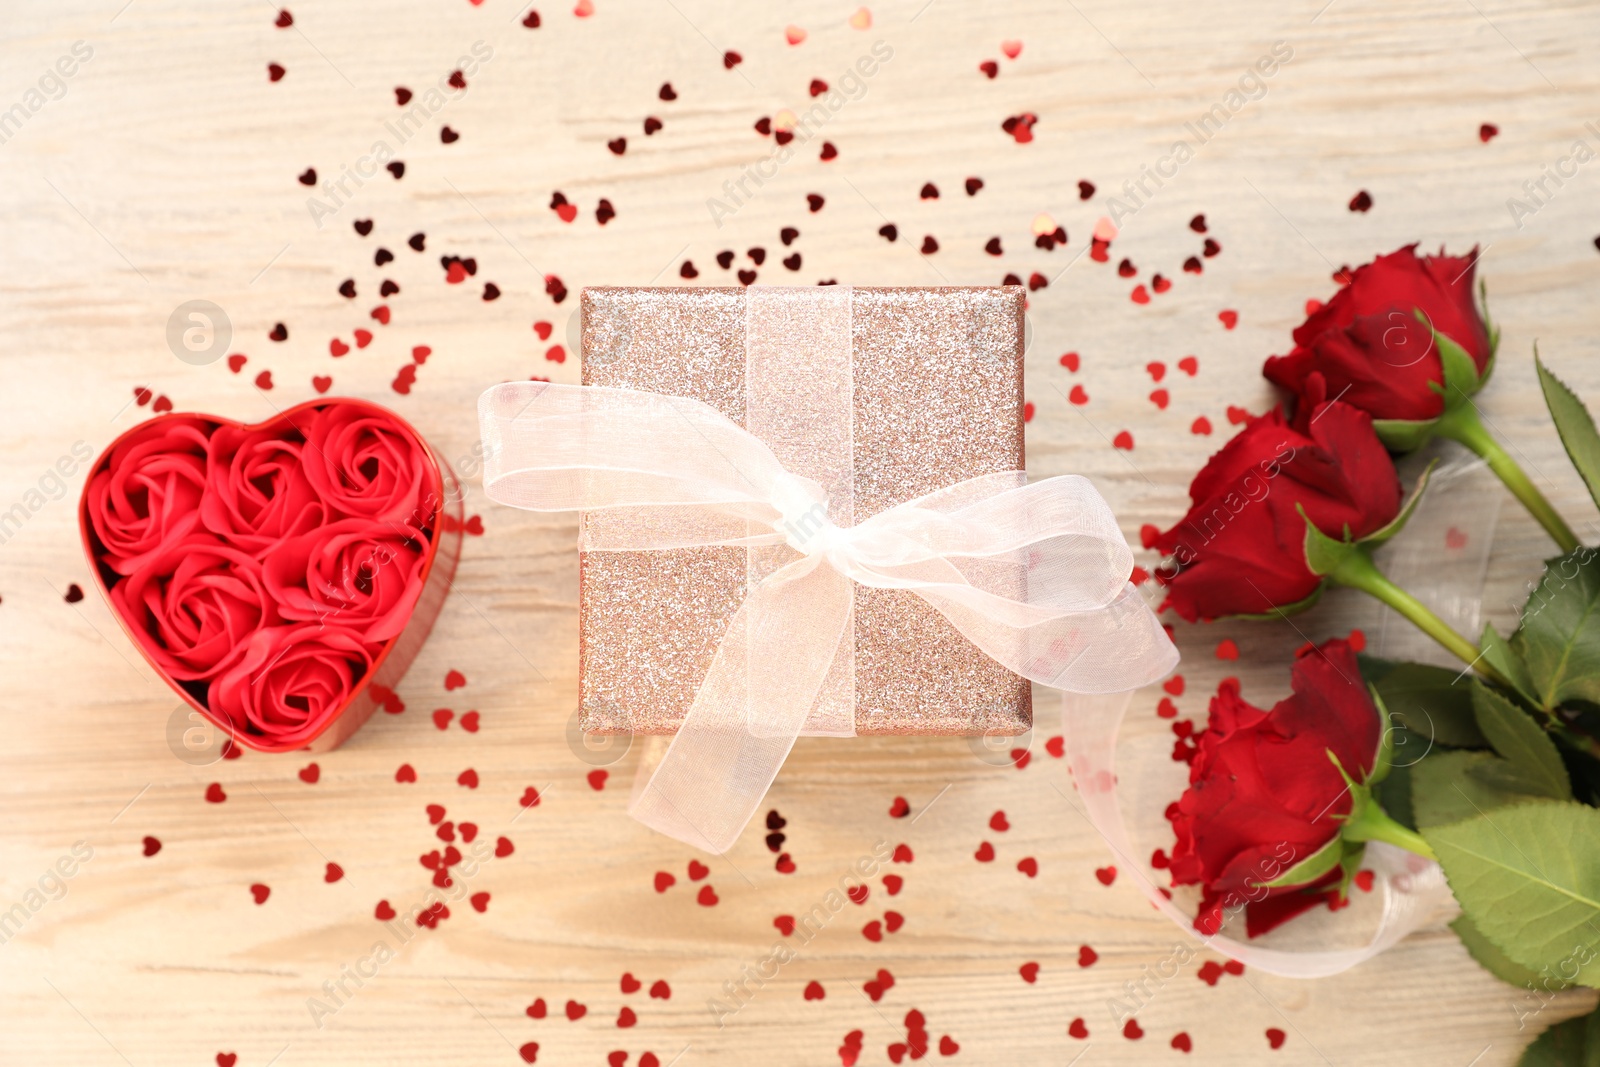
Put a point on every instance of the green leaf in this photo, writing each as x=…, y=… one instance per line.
x=1497, y=963
x=1434, y=704
x=1559, y=638
x=1523, y=742
x=1498, y=653
x=1384, y=762
x=1445, y=789
x=1404, y=435
x=1323, y=553
x=1575, y=426
x=1529, y=876
x=1398, y=523
x=1507, y=777
x=1312, y=867
x=1574, y=1043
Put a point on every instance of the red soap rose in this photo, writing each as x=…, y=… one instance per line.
x=1367, y=348
x=1241, y=548
x=1263, y=795
x=362, y=575
x=195, y=604
x=290, y=681
x=257, y=492
x=365, y=466
x=148, y=495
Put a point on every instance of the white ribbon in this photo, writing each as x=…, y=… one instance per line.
x=1036, y=576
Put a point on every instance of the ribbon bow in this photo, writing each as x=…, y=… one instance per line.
x=1036, y=576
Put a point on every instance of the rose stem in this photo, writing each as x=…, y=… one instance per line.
x=1359, y=572
x=1372, y=823
x=1464, y=425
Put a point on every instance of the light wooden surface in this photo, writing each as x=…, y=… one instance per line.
x=167, y=173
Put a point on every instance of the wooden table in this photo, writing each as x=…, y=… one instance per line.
x=164, y=170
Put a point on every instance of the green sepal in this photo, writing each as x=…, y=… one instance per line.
x=1287, y=609
x=1385, y=757
x=1404, y=435
x=1354, y=853
x=1491, y=328
x=1398, y=523
x=1461, y=378
x=1311, y=868
x=1324, y=554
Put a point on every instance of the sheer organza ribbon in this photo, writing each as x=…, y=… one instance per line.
x=1035, y=575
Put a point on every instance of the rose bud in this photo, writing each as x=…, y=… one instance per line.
x=1279, y=802
x=362, y=575
x=290, y=682
x=1241, y=548
x=1405, y=342
x=1386, y=341
x=257, y=492
x=148, y=495
x=195, y=605
x=365, y=466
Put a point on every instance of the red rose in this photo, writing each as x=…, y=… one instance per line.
x=1264, y=795
x=257, y=492
x=366, y=466
x=194, y=605
x=1367, y=348
x=1241, y=548
x=362, y=575
x=290, y=681
x=148, y=495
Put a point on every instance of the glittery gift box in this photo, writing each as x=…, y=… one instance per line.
x=937, y=398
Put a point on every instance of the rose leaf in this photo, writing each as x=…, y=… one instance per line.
x=1528, y=877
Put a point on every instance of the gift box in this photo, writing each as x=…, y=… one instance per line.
x=281, y=576
x=935, y=398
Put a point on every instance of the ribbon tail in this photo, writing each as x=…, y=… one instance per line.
x=763, y=682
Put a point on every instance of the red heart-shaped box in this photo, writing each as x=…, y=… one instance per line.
x=435, y=514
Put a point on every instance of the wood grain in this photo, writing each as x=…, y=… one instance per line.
x=166, y=172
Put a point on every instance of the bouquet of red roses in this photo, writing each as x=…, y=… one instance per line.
x=1282, y=802
x=266, y=571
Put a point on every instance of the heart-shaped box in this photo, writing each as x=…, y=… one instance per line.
x=280, y=576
